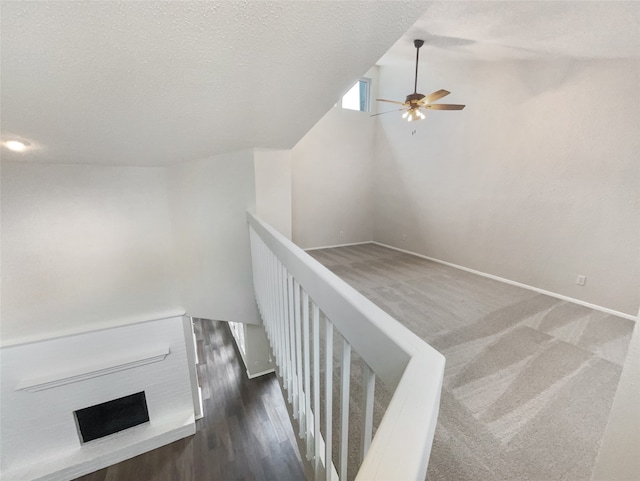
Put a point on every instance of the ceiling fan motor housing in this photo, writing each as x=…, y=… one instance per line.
x=414, y=98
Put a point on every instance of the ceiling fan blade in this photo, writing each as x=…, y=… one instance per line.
x=392, y=101
x=433, y=96
x=387, y=112
x=443, y=107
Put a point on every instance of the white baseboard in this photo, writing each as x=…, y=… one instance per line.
x=338, y=245
x=515, y=283
x=200, y=413
x=89, y=457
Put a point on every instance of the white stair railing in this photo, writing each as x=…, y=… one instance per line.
x=295, y=295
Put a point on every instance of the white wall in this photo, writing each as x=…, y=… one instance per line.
x=332, y=180
x=536, y=181
x=86, y=248
x=209, y=199
x=83, y=246
x=273, y=188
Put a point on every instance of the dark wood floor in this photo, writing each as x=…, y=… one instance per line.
x=245, y=433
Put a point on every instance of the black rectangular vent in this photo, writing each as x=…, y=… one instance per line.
x=112, y=416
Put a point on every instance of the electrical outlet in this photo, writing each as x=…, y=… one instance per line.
x=341, y=234
x=404, y=237
x=581, y=280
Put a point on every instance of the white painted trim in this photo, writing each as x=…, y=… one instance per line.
x=49, y=381
x=336, y=245
x=606, y=310
x=261, y=373
x=93, y=328
x=192, y=361
x=244, y=359
x=240, y=348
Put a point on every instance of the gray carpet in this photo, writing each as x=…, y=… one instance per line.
x=529, y=380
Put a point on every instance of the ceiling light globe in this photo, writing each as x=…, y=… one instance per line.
x=15, y=145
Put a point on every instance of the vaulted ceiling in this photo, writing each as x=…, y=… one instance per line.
x=525, y=30
x=153, y=83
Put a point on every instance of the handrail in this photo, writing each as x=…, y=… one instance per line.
x=408, y=366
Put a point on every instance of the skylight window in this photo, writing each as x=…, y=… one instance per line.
x=357, y=98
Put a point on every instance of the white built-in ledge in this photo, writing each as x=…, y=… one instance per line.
x=82, y=373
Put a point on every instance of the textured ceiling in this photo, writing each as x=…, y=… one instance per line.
x=499, y=30
x=152, y=83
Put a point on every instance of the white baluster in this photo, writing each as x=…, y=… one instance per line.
x=280, y=320
x=267, y=315
x=283, y=319
x=272, y=290
x=293, y=397
x=368, y=391
x=307, y=373
x=316, y=387
x=299, y=372
x=328, y=399
x=287, y=340
x=344, y=408
x=274, y=281
x=274, y=321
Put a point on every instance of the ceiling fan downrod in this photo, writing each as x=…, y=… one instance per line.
x=418, y=44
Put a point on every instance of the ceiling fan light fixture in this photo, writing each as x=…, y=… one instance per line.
x=413, y=114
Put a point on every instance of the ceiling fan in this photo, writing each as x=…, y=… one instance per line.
x=415, y=102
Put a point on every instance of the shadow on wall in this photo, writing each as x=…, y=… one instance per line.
x=551, y=76
x=396, y=213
